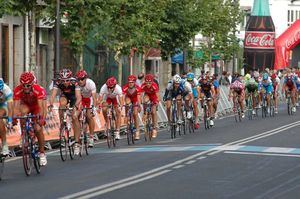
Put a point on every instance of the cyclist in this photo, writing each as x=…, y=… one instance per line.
x=275, y=81
x=208, y=91
x=196, y=94
x=89, y=100
x=132, y=95
x=69, y=95
x=289, y=85
x=266, y=87
x=6, y=108
x=217, y=92
x=111, y=94
x=151, y=93
x=251, y=88
x=29, y=98
x=179, y=89
x=237, y=90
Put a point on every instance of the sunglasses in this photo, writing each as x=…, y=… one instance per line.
x=27, y=85
x=111, y=88
x=81, y=79
x=65, y=81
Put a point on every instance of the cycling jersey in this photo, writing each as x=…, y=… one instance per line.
x=67, y=91
x=30, y=99
x=183, y=89
x=267, y=86
x=238, y=87
x=111, y=96
x=86, y=92
x=251, y=88
x=132, y=93
x=151, y=92
x=5, y=96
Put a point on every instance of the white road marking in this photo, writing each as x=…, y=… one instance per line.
x=263, y=154
x=202, y=157
x=278, y=150
x=179, y=166
x=190, y=162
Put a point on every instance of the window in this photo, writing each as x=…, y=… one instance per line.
x=289, y=16
x=292, y=15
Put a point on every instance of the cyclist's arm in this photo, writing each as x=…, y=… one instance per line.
x=78, y=98
x=10, y=106
x=17, y=104
x=95, y=99
x=158, y=96
x=41, y=107
x=53, y=95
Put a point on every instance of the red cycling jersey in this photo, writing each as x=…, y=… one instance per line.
x=132, y=93
x=151, y=92
x=30, y=99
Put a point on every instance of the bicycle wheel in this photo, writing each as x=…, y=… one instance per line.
x=129, y=133
x=70, y=144
x=35, y=157
x=191, y=125
x=173, y=131
x=250, y=110
x=205, y=118
x=63, y=146
x=86, y=145
x=289, y=105
x=26, y=156
x=237, y=113
x=272, y=107
x=2, y=160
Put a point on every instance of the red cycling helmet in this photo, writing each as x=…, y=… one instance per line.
x=273, y=76
x=27, y=78
x=111, y=82
x=65, y=74
x=131, y=78
x=81, y=74
x=149, y=78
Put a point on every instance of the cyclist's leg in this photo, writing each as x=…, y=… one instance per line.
x=3, y=112
x=118, y=115
x=127, y=103
x=179, y=109
x=154, y=118
x=63, y=102
x=136, y=120
x=241, y=99
x=75, y=119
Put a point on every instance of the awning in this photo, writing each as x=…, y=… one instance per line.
x=153, y=54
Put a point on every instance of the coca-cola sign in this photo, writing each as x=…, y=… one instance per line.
x=292, y=41
x=259, y=40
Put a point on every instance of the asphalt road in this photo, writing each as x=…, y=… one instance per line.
x=251, y=159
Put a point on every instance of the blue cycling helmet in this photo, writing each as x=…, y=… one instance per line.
x=265, y=76
x=190, y=76
x=1, y=84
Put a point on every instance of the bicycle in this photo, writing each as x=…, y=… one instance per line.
x=130, y=133
x=206, y=118
x=66, y=144
x=148, y=121
x=250, y=107
x=110, y=132
x=189, y=122
x=83, y=133
x=29, y=145
x=174, y=118
x=272, y=105
x=3, y=157
x=289, y=105
x=238, y=110
x=264, y=107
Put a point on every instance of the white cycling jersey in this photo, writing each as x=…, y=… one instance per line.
x=6, y=94
x=88, y=89
x=106, y=93
x=183, y=85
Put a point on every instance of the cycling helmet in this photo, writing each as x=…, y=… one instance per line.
x=131, y=78
x=273, y=76
x=27, y=78
x=111, y=82
x=256, y=74
x=265, y=76
x=81, y=74
x=190, y=76
x=176, y=79
x=247, y=77
x=65, y=74
x=149, y=78
x=1, y=84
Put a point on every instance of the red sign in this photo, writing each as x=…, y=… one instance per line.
x=292, y=40
x=259, y=40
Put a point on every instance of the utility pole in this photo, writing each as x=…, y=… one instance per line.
x=57, y=39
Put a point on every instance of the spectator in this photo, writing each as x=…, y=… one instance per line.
x=140, y=79
x=229, y=77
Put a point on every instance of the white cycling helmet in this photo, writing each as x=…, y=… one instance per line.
x=176, y=79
